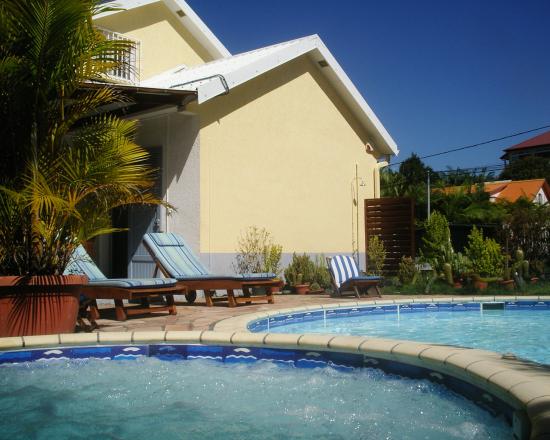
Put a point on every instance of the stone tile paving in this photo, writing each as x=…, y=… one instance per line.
x=199, y=317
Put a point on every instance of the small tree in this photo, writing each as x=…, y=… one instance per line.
x=257, y=252
x=436, y=242
x=484, y=254
x=376, y=254
x=301, y=270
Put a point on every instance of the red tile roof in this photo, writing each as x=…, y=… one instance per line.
x=510, y=190
x=541, y=139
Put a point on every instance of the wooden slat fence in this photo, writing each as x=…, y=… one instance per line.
x=392, y=219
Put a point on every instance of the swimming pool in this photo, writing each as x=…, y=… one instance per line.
x=519, y=327
x=197, y=399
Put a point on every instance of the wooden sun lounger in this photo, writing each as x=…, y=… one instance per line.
x=201, y=279
x=119, y=294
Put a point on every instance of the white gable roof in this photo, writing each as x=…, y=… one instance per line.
x=190, y=20
x=218, y=77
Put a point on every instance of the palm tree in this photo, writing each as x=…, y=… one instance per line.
x=65, y=164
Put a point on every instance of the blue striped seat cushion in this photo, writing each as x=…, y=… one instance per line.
x=257, y=276
x=82, y=264
x=177, y=258
x=343, y=268
x=174, y=255
x=135, y=283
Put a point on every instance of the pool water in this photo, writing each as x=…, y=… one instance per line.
x=525, y=333
x=148, y=398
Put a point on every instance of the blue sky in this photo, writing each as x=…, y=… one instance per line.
x=438, y=73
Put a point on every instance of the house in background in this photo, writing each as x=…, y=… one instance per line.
x=536, y=146
x=272, y=137
x=534, y=190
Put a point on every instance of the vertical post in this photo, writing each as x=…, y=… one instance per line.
x=429, y=195
x=356, y=251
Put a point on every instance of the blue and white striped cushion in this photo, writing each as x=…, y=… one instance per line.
x=343, y=268
x=174, y=255
x=82, y=264
x=135, y=283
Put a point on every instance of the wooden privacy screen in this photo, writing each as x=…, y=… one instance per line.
x=392, y=219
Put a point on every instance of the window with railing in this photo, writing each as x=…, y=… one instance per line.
x=129, y=67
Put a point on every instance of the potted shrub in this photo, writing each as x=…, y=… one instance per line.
x=299, y=273
x=65, y=165
x=485, y=257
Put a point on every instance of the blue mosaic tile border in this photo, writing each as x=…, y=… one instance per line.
x=262, y=325
x=236, y=354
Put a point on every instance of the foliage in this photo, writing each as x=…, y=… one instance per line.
x=64, y=164
x=301, y=270
x=408, y=272
x=376, y=255
x=409, y=181
x=530, y=167
x=527, y=227
x=257, y=253
x=460, y=265
x=414, y=171
x=321, y=275
x=467, y=204
x=436, y=242
x=485, y=254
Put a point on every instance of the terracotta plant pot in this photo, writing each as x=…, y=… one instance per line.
x=480, y=285
x=39, y=305
x=507, y=284
x=301, y=289
x=534, y=280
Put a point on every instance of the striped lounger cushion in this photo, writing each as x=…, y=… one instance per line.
x=176, y=257
x=82, y=264
x=345, y=270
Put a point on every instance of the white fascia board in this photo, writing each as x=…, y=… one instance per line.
x=198, y=28
x=191, y=21
x=365, y=113
x=124, y=5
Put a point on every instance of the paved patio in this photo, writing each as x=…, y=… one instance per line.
x=199, y=317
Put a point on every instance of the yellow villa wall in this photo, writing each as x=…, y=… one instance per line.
x=165, y=43
x=280, y=152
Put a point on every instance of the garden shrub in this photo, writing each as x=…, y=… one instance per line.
x=376, y=256
x=407, y=271
x=257, y=252
x=321, y=275
x=436, y=242
x=484, y=254
x=301, y=270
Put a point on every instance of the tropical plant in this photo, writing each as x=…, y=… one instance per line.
x=321, y=275
x=527, y=227
x=301, y=270
x=376, y=255
x=484, y=254
x=408, y=273
x=257, y=252
x=64, y=164
x=436, y=241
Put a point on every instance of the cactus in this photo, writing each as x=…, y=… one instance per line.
x=525, y=269
x=521, y=266
x=507, y=273
x=448, y=271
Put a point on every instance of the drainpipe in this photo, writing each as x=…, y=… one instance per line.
x=377, y=168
